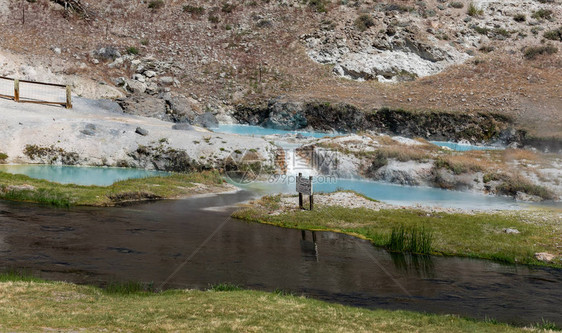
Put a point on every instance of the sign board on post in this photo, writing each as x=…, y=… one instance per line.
x=304, y=186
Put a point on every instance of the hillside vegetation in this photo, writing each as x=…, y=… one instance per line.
x=479, y=56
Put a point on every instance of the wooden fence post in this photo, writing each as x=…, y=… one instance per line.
x=300, y=194
x=68, y=97
x=311, y=194
x=16, y=90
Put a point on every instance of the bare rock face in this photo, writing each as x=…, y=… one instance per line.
x=404, y=173
x=286, y=115
x=394, y=53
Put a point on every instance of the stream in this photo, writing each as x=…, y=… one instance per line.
x=194, y=243
x=148, y=242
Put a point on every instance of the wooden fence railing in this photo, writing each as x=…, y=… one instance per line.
x=24, y=91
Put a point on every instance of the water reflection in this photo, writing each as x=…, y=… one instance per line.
x=309, y=248
x=412, y=264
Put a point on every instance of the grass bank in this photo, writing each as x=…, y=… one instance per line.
x=470, y=235
x=34, y=305
x=26, y=189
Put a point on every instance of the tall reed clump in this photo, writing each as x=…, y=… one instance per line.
x=413, y=239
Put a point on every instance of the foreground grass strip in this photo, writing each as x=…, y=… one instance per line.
x=23, y=188
x=33, y=306
x=479, y=235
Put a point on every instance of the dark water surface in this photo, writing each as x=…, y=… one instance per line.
x=148, y=242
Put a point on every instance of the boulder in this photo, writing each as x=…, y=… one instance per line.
x=134, y=86
x=181, y=109
x=207, y=120
x=144, y=105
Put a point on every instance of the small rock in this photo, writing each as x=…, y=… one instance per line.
x=95, y=61
x=167, y=80
x=117, y=63
x=139, y=77
x=135, y=87
x=544, y=256
x=57, y=50
x=141, y=131
x=511, y=231
x=150, y=74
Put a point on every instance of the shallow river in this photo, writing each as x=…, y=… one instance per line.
x=196, y=239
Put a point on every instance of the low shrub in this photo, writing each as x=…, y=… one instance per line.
x=554, y=34
x=195, y=10
x=481, y=30
x=318, y=5
x=545, y=14
x=403, y=153
x=3, y=157
x=456, y=4
x=156, y=4
x=132, y=50
x=519, y=18
x=532, y=52
x=516, y=184
x=460, y=164
x=474, y=11
x=364, y=22
x=228, y=7
x=486, y=49
x=214, y=19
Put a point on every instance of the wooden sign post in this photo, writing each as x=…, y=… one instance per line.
x=304, y=186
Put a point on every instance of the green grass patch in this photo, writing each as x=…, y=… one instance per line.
x=30, y=306
x=26, y=189
x=410, y=230
x=18, y=276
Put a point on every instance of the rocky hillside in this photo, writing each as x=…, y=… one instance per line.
x=188, y=60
